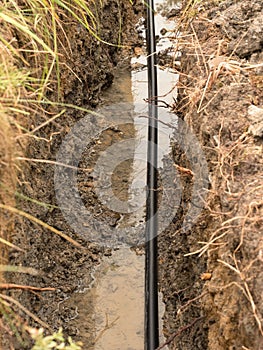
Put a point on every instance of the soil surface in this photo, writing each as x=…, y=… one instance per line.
x=214, y=297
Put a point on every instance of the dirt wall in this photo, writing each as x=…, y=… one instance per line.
x=220, y=97
x=86, y=70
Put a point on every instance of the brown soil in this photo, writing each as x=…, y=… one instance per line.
x=221, y=42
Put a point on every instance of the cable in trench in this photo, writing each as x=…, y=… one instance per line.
x=151, y=332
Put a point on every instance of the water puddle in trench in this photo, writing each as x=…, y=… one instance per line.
x=110, y=311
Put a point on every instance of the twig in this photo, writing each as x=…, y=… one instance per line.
x=41, y=223
x=185, y=306
x=107, y=326
x=165, y=104
x=200, y=48
x=25, y=310
x=159, y=121
x=181, y=330
x=18, y=286
x=184, y=171
x=52, y=162
x=9, y=244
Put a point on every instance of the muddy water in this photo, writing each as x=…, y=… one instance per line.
x=119, y=301
x=112, y=308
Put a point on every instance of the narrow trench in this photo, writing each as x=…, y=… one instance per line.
x=110, y=312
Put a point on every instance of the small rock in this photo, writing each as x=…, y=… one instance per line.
x=163, y=31
x=206, y=276
x=138, y=51
x=255, y=116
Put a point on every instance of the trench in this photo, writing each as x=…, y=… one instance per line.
x=109, y=311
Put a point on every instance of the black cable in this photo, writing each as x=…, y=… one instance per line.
x=151, y=341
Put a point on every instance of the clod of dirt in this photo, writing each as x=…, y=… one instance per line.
x=242, y=23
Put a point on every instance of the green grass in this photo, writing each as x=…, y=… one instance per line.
x=36, y=23
x=54, y=341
